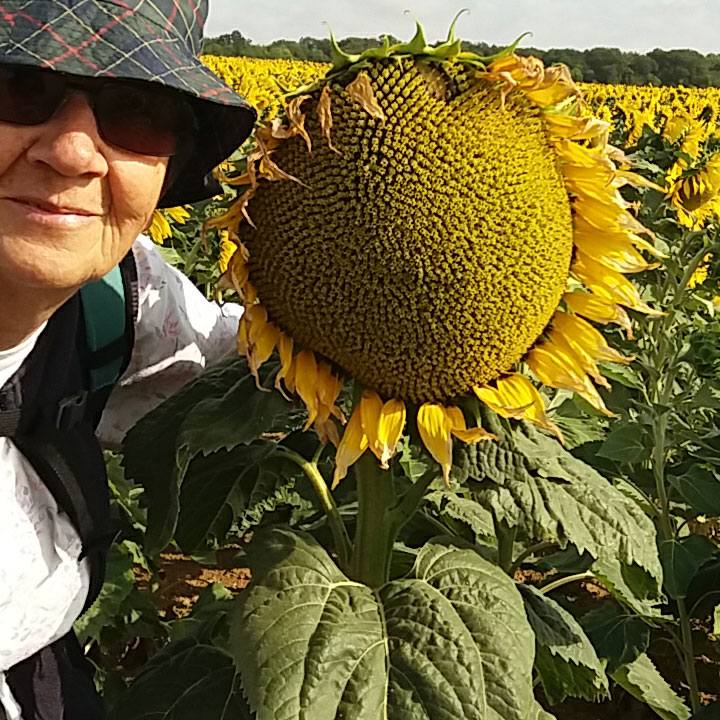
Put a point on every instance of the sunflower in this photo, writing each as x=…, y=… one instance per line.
x=695, y=192
x=433, y=224
x=159, y=229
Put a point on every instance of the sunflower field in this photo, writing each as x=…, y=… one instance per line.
x=468, y=454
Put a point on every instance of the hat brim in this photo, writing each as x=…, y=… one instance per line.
x=107, y=40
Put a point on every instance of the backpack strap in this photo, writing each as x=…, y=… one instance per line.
x=110, y=322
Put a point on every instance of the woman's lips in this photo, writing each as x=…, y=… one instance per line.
x=58, y=218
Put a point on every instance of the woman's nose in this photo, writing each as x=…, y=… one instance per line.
x=70, y=141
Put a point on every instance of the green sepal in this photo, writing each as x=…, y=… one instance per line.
x=503, y=53
x=417, y=46
x=452, y=47
x=340, y=59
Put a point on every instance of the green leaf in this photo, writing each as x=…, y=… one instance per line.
x=618, y=636
x=682, y=559
x=222, y=409
x=566, y=660
x=451, y=641
x=700, y=488
x=464, y=510
x=631, y=585
x=119, y=583
x=531, y=482
x=246, y=483
x=642, y=680
x=627, y=443
x=186, y=677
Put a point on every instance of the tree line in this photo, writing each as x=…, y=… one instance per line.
x=600, y=64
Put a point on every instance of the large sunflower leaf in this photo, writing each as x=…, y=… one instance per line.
x=544, y=490
x=642, y=680
x=566, y=660
x=247, y=482
x=186, y=678
x=221, y=409
x=451, y=641
x=618, y=636
x=630, y=584
x=464, y=510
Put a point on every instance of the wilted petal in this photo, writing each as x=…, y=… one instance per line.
x=306, y=377
x=435, y=427
x=353, y=444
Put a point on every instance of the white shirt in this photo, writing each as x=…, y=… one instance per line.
x=43, y=585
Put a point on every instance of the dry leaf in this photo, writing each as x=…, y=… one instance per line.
x=361, y=91
x=325, y=116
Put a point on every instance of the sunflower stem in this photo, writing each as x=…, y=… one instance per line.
x=335, y=521
x=528, y=552
x=377, y=525
x=506, y=542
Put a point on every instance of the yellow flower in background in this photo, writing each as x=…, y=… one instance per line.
x=227, y=250
x=695, y=193
x=415, y=226
x=159, y=229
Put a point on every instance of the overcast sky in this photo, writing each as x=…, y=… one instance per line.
x=629, y=24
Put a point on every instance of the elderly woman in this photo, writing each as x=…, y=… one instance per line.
x=105, y=114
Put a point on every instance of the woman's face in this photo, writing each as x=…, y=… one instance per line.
x=96, y=197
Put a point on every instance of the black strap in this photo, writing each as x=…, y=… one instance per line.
x=9, y=422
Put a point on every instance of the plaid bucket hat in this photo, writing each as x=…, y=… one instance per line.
x=156, y=41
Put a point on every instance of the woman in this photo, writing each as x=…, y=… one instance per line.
x=105, y=114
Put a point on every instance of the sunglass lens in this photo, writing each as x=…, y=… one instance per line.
x=148, y=121
x=29, y=96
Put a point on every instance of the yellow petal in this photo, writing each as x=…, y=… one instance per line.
x=390, y=429
x=383, y=424
x=556, y=367
x=285, y=351
x=329, y=387
x=306, y=376
x=353, y=444
x=371, y=405
x=435, y=427
x=609, y=284
x=575, y=128
x=460, y=430
x=516, y=397
x=243, y=342
x=615, y=250
x=583, y=336
x=265, y=343
x=598, y=309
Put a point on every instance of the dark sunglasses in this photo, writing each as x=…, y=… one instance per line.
x=134, y=116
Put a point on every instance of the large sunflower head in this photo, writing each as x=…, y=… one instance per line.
x=428, y=222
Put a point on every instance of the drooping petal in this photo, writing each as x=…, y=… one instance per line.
x=460, y=429
x=390, y=429
x=599, y=310
x=329, y=388
x=353, y=444
x=583, y=337
x=516, y=397
x=558, y=368
x=383, y=423
x=327, y=431
x=306, y=376
x=285, y=351
x=371, y=405
x=435, y=427
x=609, y=284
